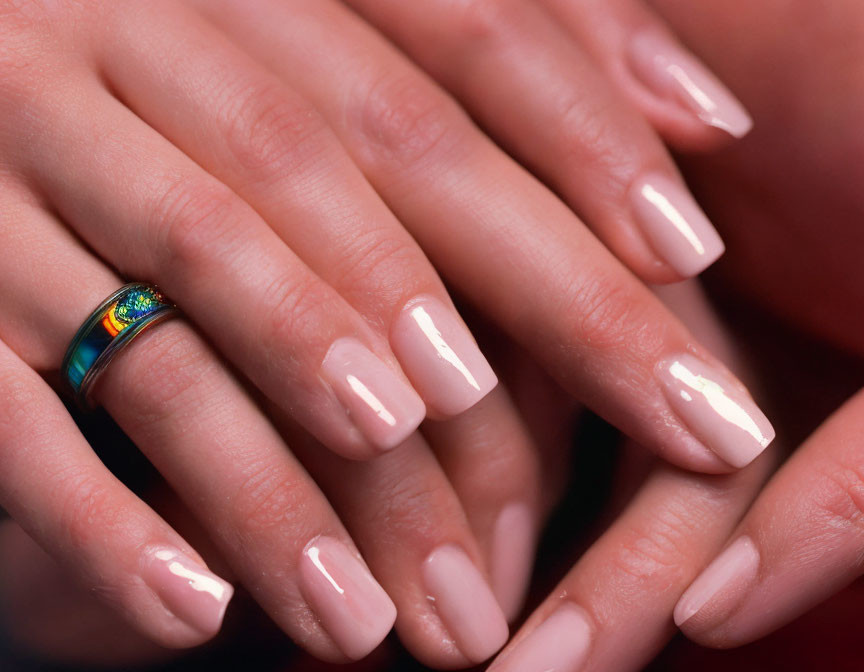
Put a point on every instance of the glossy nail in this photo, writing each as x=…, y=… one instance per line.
x=190, y=591
x=722, y=581
x=464, y=603
x=675, y=226
x=382, y=405
x=439, y=355
x=674, y=73
x=512, y=557
x=558, y=644
x=716, y=409
x=352, y=607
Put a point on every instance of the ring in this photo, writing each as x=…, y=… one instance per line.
x=111, y=327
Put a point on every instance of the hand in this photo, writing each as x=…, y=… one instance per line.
x=658, y=547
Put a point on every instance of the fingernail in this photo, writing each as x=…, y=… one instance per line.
x=439, y=355
x=722, y=580
x=465, y=603
x=512, y=557
x=716, y=409
x=674, y=73
x=676, y=227
x=352, y=607
x=191, y=592
x=384, y=407
x=558, y=644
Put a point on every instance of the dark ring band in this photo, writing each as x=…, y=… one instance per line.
x=111, y=327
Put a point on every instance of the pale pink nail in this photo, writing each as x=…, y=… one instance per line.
x=191, y=592
x=512, y=557
x=439, y=355
x=716, y=409
x=465, y=603
x=352, y=607
x=382, y=405
x=558, y=644
x=676, y=227
x=674, y=73
x=730, y=573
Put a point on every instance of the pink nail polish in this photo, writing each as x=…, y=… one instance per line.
x=730, y=573
x=676, y=227
x=352, y=607
x=716, y=409
x=672, y=72
x=383, y=406
x=191, y=592
x=512, y=557
x=558, y=644
x=439, y=355
x=465, y=603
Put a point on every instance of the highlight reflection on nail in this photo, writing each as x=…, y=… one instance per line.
x=439, y=355
x=673, y=72
x=382, y=405
x=352, y=607
x=190, y=591
x=675, y=225
x=715, y=409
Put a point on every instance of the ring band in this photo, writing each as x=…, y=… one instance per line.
x=111, y=327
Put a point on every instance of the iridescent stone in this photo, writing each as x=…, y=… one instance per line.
x=137, y=303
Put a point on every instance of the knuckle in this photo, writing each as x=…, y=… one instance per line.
x=89, y=510
x=838, y=492
x=486, y=20
x=382, y=260
x=405, y=120
x=296, y=301
x=269, y=498
x=167, y=371
x=602, y=314
x=191, y=221
x=268, y=129
x=656, y=550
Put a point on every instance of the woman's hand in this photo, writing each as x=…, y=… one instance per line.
x=254, y=178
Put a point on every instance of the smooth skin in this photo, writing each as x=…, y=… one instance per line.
x=164, y=146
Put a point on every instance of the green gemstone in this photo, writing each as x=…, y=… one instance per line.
x=136, y=304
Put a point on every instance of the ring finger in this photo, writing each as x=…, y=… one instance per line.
x=200, y=428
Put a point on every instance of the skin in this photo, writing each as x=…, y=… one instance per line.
x=786, y=300
x=121, y=166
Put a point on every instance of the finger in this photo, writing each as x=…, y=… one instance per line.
x=556, y=111
x=54, y=486
x=611, y=612
x=675, y=91
x=800, y=542
x=412, y=529
x=157, y=216
x=494, y=468
x=512, y=248
x=198, y=425
x=46, y=613
x=615, y=603
x=306, y=188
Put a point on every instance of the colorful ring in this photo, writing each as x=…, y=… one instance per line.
x=110, y=328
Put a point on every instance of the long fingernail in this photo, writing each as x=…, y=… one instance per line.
x=189, y=590
x=559, y=644
x=512, y=557
x=716, y=409
x=352, y=607
x=465, y=603
x=382, y=405
x=439, y=355
x=722, y=580
x=675, y=225
x=673, y=73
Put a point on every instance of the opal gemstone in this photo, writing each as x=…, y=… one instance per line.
x=137, y=303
